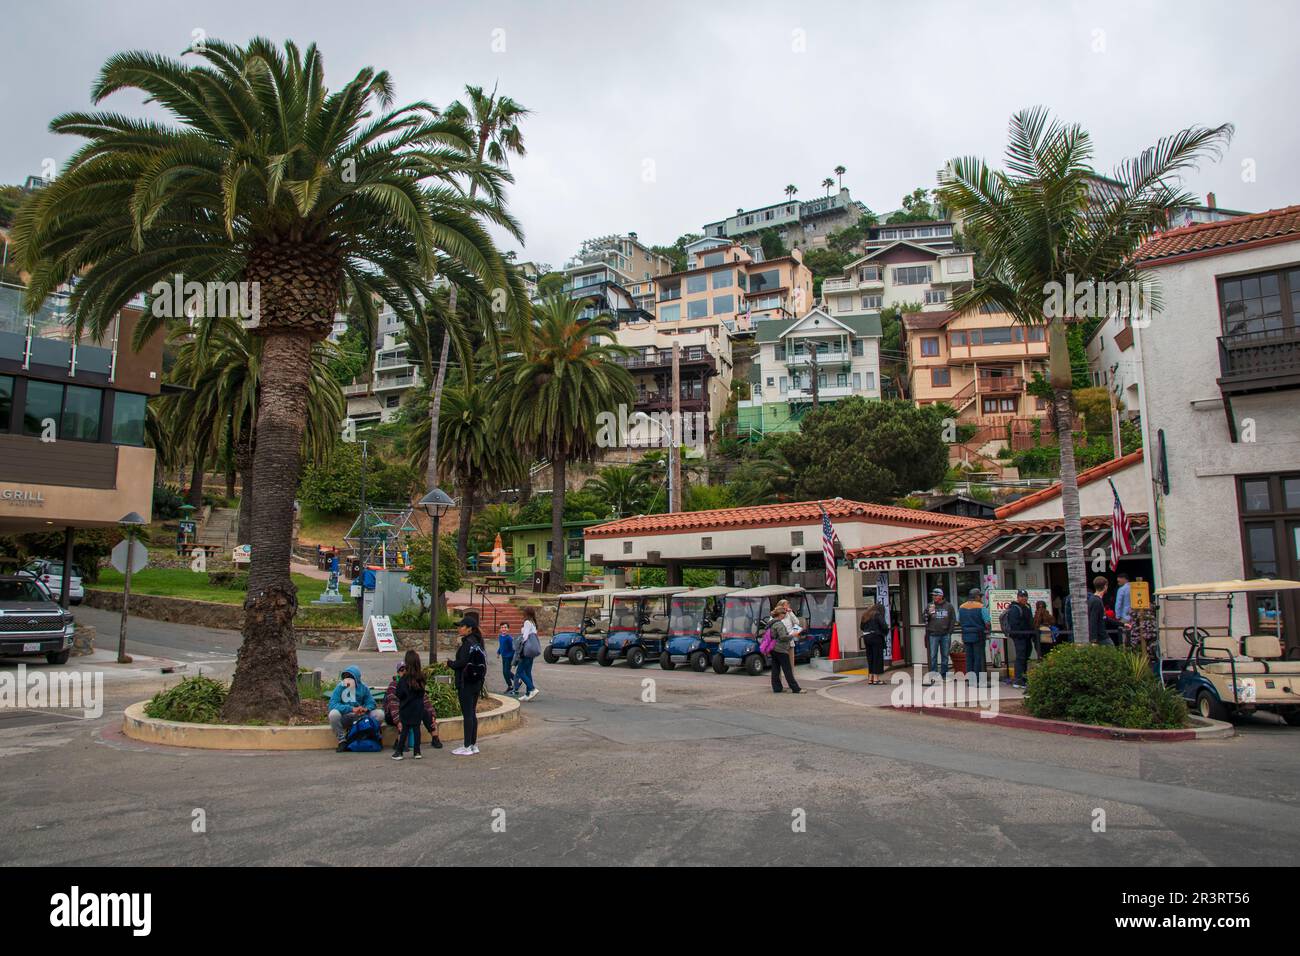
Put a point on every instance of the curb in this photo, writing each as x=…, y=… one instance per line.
x=173, y=733
x=1208, y=729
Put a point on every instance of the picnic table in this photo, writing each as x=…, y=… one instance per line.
x=495, y=584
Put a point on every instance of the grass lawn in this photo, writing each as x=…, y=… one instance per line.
x=184, y=583
x=318, y=528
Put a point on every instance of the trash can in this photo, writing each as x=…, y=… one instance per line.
x=541, y=580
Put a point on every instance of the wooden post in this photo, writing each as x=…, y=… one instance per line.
x=126, y=598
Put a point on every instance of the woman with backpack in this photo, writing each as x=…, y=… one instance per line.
x=470, y=666
x=410, y=706
x=782, y=658
x=529, y=649
x=873, y=642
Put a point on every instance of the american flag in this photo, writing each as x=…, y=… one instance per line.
x=1121, y=532
x=828, y=548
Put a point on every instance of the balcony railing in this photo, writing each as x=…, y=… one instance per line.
x=1001, y=384
x=1264, y=359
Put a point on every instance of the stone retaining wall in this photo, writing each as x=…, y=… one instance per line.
x=83, y=640
x=171, y=610
x=350, y=637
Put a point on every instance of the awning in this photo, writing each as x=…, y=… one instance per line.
x=1050, y=543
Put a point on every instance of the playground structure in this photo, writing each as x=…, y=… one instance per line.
x=380, y=537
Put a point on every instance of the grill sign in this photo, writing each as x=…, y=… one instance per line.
x=20, y=496
x=920, y=562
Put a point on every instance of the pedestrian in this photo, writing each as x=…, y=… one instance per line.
x=470, y=666
x=1097, y=632
x=528, y=650
x=974, y=630
x=940, y=620
x=1044, y=627
x=873, y=642
x=391, y=708
x=782, y=659
x=1123, y=604
x=410, y=706
x=349, y=702
x=1020, y=628
x=506, y=651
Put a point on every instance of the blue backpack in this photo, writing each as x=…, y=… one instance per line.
x=365, y=736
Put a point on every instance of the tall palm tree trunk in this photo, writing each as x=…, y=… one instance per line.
x=468, y=492
x=196, y=481
x=266, y=671
x=244, y=464
x=557, y=523
x=435, y=401
x=1062, y=380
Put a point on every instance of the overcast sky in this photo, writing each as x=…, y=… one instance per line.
x=659, y=116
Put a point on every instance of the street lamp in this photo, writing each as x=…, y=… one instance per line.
x=435, y=504
x=130, y=523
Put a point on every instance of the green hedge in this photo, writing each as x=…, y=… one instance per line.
x=1108, y=686
x=195, y=700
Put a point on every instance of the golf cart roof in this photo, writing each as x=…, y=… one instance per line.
x=769, y=590
x=648, y=592
x=1254, y=585
x=601, y=593
x=716, y=590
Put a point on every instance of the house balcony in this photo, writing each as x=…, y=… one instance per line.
x=1000, y=385
x=396, y=382
x=663, y=359
x=356, y=389
x=663, y=402
x=1261, y=361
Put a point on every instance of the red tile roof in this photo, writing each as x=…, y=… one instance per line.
x=978, y=538
x=1086, y=477
x=799, y=512
x=1215, y=238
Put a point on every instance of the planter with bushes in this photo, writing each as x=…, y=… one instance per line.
x=1104, y=686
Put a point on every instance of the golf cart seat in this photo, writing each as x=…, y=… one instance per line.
x=1219, y=649
x=656, y=624
x=1268, y=647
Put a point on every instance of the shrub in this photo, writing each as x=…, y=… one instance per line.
x=232, y=580
x=195, y=700
x=441, y=696
x=1095, y=684
x=167, y=502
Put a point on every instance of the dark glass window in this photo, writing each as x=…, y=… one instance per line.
x=940, y=377
x=1260, y=305
x=81, y=413
x=44, y=401
x=1254, y=494
x=697, y=283
x=128, y=419
x=697, y=309
x=722, y=304
x=1291, y=488
x=6, y=401
x=762, y=281
x=929, y=346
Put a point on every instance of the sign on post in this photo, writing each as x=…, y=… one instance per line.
x=139, y=556
x=1139, y=595
x=378, y=635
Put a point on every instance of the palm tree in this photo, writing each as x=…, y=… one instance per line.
x=559, y=375
x=827, y=183
x=1043, y=221
x=839, y=177
x=621, y=487
x=309, y=196
x=492, y=121
x=790, y=191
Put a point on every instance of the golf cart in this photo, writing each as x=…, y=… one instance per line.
x=1225, y=675
x=638, y=625
x=579, y=630
x=694, y=627
x=745, y=617
x=817, y=614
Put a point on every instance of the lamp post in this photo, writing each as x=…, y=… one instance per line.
x=129, y=523
x=435, y=504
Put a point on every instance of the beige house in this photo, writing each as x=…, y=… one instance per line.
x=726, y=285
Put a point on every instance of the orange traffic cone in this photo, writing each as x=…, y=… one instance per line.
x=835, y=643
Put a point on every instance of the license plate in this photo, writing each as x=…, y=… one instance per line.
x=28, y=648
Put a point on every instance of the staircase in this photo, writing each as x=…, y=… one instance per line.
x=492, y=616
x=221, y=528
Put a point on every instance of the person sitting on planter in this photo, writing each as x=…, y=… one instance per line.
x=390, y=708
x=351, y=701
x=973, y=630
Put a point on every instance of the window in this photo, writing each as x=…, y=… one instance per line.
x=1269, y=510
x=1254, y=494
x=128, y=419
x=911, y=275
x=1260, y=305
x=784, y=385
x=857, y=346
x=697, y=283
x=713, y=259
x=872, y=303
x=940, y=377
x=994, y=406
x=796, y=380
x=771, y=380
x=936, y=296
x=796, y=539
x=722, y=304
x=841, y=379
x=697, y=309
x=532, y=550
x=627, y=547
x=857, y=381
x=1002, y=336
x=6, y=401
x=929, y=347
x=670, y=290
x=392, y=401
x=723, y=279
x=764, y=281
x=1037, y=333
x=44, y=402
x=706, y=544
x=869, y=381
x=869, y=274
x=670, y=313
x=957, y=267
x=957, y=340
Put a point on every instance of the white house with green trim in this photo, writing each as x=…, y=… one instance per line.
x=818, y=357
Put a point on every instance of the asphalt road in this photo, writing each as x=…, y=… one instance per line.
x=715, y=770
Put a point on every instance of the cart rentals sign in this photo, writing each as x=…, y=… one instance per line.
x=915, y=562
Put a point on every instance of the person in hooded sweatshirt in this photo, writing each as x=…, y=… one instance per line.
x=350, y=702
x=974, y=629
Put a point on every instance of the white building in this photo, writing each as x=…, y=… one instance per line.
x=1114, y=363
x=1220, y=404
x=896, y=274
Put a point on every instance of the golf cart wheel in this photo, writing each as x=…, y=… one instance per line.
x=603, y=657
x=635, y=657
x=57, y=657
x=666, y=661
x=1209, y=707
x=719, y=664
x=548, y=655
x=699, y=662
x=754, y=665
x=1292, y=718
x=577, y=653
x=815, y=652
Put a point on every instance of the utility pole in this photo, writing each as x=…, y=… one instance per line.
x=674, y=452
x=816, y=376
x=1116, y=450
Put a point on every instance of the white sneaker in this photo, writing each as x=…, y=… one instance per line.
x=533, y=694
x=474, y=749
x=462, y=752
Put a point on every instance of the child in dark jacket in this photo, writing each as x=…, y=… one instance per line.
x=410, y=706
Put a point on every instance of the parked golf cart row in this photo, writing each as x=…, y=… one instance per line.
x=718, y=627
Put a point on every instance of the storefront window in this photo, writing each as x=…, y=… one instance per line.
x=128, y=419
x=966, y=579
x=6, y=401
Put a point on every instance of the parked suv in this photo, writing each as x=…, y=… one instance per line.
x=32, y=622
x=51, y=575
